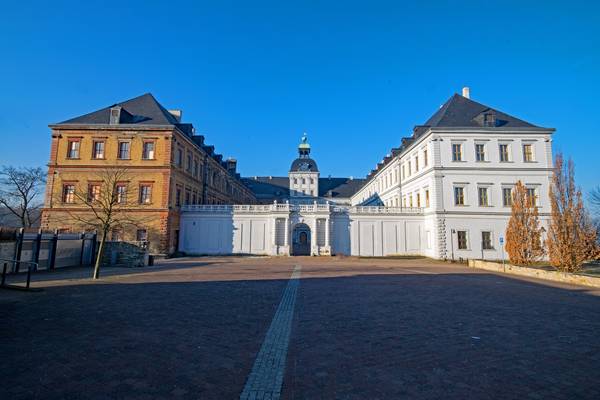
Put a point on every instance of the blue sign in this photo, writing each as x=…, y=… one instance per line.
x=501, y=240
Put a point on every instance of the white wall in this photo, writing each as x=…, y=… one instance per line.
x=365, y=232
x=222, y=233
x=386, y=235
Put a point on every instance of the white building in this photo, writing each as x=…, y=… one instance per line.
x=444, y=193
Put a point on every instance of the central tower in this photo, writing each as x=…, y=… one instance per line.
x=304, y=174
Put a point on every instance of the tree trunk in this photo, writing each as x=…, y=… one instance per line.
x=99, y=255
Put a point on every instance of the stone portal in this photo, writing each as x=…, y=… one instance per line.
x=301, y=240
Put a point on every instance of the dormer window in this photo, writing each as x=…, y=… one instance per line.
x=115, y=115
x=489, y=119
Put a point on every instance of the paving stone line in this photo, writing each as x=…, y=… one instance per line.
x=266, y=377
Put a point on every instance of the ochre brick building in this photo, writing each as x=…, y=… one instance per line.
x=166, y=165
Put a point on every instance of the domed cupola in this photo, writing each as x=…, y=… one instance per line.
x=304, y=163
x=304, y=173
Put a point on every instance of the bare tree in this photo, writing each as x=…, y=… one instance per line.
x=20, y=189
x=571, y=236
x=595, y=201
x=104, y=205
x=523, y=233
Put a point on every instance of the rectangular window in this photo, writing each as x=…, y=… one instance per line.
x=462, y=239
x=418, y=199
x=504, y=156
x=425, y=161
x=483, y=197
x=141, y=235
x=148, y=150
x=403, y=174
x=426, y=198
x=145, y=194
x=507, y=197
x=196, y=168
x=410, y=199
x=121, y=194
x=459, y=196
x=98, y=149
x=116, y=235
x=187, y=198
x=124, y=150
x=73, y=149
x=68, y=195
x=486, y=240
x=189, y=163
x=528, y=153
x=179, y=160
x=409, y=169
x=480, y=152
x=177, y=197
x=416, y=163
x=456, y=152
x=489, y=119
x=532, y=197
x=93, y=192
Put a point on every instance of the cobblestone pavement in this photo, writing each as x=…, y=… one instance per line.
x=361, y=329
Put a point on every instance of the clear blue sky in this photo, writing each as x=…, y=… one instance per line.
x=252, y=76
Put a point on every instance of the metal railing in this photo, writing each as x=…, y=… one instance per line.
x=31, y=265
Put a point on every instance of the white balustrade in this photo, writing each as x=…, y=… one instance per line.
x=306, y=208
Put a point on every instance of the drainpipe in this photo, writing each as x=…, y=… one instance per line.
x=452, y=232
x=205, y=181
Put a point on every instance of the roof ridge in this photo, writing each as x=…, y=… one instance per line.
x=144, y=105
x=460, y=111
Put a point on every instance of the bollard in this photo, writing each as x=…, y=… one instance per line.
x=28, y=276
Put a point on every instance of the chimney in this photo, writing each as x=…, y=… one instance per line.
x=466, y=92
x=231, y=165
x=176, y=114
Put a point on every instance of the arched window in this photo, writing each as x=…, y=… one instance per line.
x=303, y=181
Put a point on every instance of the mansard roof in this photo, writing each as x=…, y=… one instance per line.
x=141, y=110
x=461, y=112
x=269, y=188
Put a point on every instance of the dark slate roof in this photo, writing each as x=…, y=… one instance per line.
x=339, y=187
x=269, y=188
x=312, y=165
x=141, y=110
x=460, y=111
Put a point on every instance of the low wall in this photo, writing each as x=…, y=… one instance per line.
x=125, y=254
x=555, y=276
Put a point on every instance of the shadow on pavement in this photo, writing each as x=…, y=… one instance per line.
x=375, y=336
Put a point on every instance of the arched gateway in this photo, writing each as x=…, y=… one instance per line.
x=301, y=240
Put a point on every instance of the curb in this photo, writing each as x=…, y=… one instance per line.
x=536, y=273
